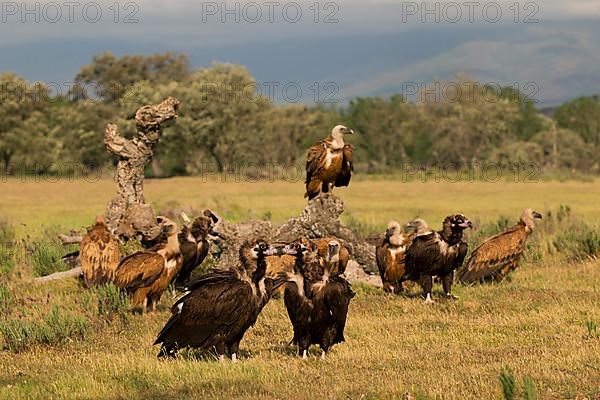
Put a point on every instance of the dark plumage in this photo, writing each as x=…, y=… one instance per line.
x=194, y=245
x=221, y=306
x=316, y=298
x=438, y=254
x=499, y=255
x=329, y=163
x=99, y=253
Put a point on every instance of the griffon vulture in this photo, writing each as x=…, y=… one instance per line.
x=438, y=254
x=497, y=256
x=329, y=163
x=391, y=252
x=99, y=253
x=316, y=299
x=220, y=307
x=145, y=275
x=194, y=245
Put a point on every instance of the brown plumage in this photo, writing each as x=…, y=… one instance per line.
x=285, y=262
x=145, y=275
x=329, y=163
x=100, y=255
x=194, y=245
x=497, y=256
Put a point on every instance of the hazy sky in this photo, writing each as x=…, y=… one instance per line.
x=367, y=46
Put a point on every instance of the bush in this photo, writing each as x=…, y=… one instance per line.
x=56, y=328
x=7, y=243
x=112, y=302
x=510, y=389
x=6, y=300
x=581, y=242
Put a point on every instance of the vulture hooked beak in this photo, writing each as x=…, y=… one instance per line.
x=349, y=131
x=466, y=224
x=537, y=215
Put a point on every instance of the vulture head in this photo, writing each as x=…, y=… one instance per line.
x=528, y=217
x=169, y=227
x=259, y=250
x=100, y=220
x=203, y=225
x=333, y=251
x=454, y=225
x=339, y=131
x=418, y=227
x=393, y=233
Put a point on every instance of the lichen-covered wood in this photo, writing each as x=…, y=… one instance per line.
x=134, y=154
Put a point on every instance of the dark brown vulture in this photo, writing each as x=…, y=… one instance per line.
x=316, y=298
x=499, y=255
x=329, y=163
x=145, y=275
x=220, y=307
x=100, y=254
x=437, y=254
x=194, y=245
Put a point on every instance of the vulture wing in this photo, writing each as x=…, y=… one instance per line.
x=337, y=294
x=216, y=310
x=139, y=270
x=381, y=258
x=100, y=255
x=314, y=167
x=343, y=179
x=496, y=256
x=422, y=255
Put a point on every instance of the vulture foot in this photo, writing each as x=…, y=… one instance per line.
x=234, y=358
x=304, y=355
x=428, y=299
x=450, y=296
x=322, y=354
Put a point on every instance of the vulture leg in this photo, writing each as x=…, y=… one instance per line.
x=304, y=354
x=303, y=345
x=220, y=348
x=169, y=351
x=233, y=350
x=323, y=352
x=426, y=282
x=325, y=187
x=447, y=285
x=144, y=305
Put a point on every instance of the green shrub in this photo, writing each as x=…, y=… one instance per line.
x=6, y=300
x=7, y=243
x=112, y=302
x=56, y=328
x=510, y=389
x=581, y=242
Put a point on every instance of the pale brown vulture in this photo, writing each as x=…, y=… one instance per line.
x=100, y=255
x=438, y=254
x=329, y=163
x=497, y=256
x=145, y=275
x=391, y=253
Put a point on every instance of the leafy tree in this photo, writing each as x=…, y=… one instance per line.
x=581, y=115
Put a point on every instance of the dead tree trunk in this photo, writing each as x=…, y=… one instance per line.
x=134, y=155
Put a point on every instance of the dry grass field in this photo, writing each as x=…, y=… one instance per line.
x=540, y=328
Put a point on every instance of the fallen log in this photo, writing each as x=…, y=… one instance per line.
x=65, y=239
x=71, y=273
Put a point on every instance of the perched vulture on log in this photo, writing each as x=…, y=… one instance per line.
x=438, y=254
x=220, y=307
x=99, y=253
x=194, y=245
x=316, y=298
x=497, y=256
x=145, y=275
x=391, y=252
x=329, y=163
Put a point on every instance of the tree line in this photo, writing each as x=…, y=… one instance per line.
x=224, y=124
